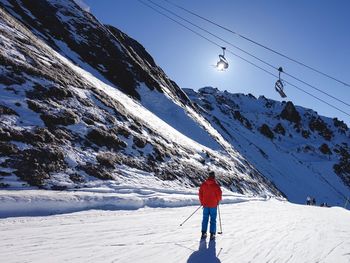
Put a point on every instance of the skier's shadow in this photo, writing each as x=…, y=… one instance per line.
x=204, y=254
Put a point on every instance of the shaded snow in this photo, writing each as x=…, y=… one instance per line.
x=108, y=195
x=166, y=109
x=296, y=173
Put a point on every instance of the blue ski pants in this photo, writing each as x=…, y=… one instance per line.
x=209, y=212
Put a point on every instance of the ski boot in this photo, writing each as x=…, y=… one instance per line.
x=204, y=235
x=212, y=236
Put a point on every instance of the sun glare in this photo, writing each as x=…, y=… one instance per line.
x=221, y=66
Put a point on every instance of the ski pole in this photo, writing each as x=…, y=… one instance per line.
x=190, y=215
x=220, y=233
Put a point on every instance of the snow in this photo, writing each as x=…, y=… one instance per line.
x=253, y=231
x=68, y=53
x=166, y=109
x=83, y=5
x=295, y=173
x=135, y=108
x=126, y=195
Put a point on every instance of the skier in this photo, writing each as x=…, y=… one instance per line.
x=313, y=201
x=209, y=195
x=308, y=200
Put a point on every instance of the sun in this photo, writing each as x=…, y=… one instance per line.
x=220, y=66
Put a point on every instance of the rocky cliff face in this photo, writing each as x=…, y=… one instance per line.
x=103, y=50
x=301, y=152
x=79, y=109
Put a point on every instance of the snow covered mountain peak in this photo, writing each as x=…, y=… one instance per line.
x=82, y=113
x=301, y=152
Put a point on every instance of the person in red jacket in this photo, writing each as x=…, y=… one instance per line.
x=209, y=195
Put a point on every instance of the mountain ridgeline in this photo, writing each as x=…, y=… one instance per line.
x=301, y=152
x=83, y=104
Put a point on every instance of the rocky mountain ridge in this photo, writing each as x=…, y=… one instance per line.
x=283, y=140
x=68, y=120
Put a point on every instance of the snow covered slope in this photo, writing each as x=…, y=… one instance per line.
x=255, y=231
x=115, y=58
x=301, y=152
x=63, y=128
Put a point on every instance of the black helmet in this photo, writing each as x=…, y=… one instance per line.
x=211, y=174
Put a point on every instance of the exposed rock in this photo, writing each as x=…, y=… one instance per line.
x=106, y=159
x=136, y=127
x=64, y=117
x=4, y=134
x=41, y=135
x=35, y=165
x=305, y=133
x=36, y=106
x=238, y=116
x=217, y=121
x=9, y=78
x=104, y=138
x=342, y=127
x=62, y=134
x=7, y=134
x=97, y=171
x=290, y=113
x=88, y=120
x=265, y=130
x=269, y=103
x=343, y=167
x=76, y=178
x=325, y=149
x=317, y=124
x=56, y=93
x=280, y=129
x=8, y=149
x=139, y=142
x=7, y=111
x=123, y=131
x=207, y=106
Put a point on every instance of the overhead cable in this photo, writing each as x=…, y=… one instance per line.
x=257, y=43
x=246, y=52
x=244, y=59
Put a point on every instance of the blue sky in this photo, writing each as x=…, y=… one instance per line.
x=315, y=32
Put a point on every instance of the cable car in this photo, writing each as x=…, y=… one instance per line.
x=222, y=64
x=279, y=86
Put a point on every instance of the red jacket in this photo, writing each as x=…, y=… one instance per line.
x=210, y=193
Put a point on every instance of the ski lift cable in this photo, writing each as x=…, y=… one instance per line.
x=257, y=43
x=249, y=54
x=289, y=83
x=319, y=90
x=181, y=24
x=242, y=58
x=212, y=34
x=315, y=97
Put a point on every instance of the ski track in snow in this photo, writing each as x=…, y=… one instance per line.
x=255, y=231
